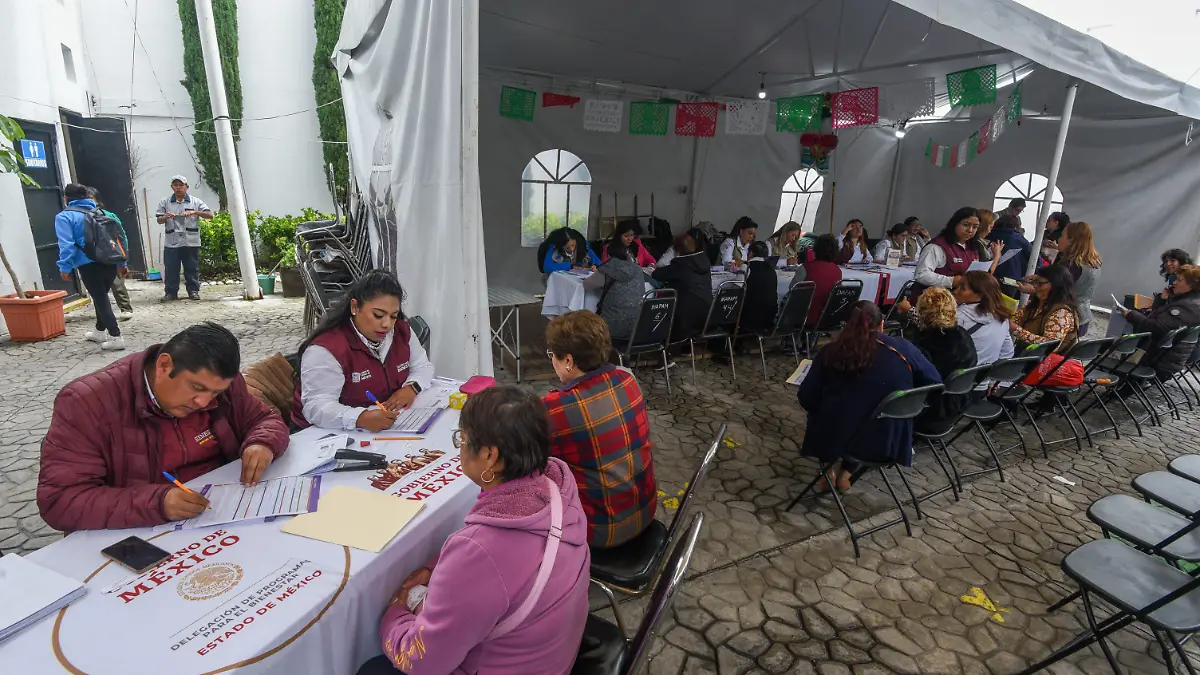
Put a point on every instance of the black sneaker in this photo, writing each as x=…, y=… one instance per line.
x=193, y=296
x=168, y=298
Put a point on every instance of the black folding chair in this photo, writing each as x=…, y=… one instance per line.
x=605, y=650
x=632, y=568
x=893, y=324
x=959, y=384
x=838, y=307
x=790, y=319
x=1188, y=341
x=1100, y=373
x=651, y=329
x=1142, y=376
x=1086, y=352
x=721, y=322
x=420, y=328
x=898, y=405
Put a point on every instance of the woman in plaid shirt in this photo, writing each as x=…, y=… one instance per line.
x=598, y=426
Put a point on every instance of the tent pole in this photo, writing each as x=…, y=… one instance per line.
x=691, y=189
x=1055, y=164
x=891, y=202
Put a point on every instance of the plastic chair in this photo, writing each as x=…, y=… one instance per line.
x=960, y=383
x=892, y=324
x=789, y=322
x=1005, y=370
x=605, y=650
x=420, y=328
x=651, y=329
x=1084, y=351
x=1098, y=374
x=721, y=322
x=838, y=307
x=898, y=405
x=632, y=567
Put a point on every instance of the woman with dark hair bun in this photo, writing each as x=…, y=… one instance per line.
x=362, y=346
x=949, y=255
x=848, y=379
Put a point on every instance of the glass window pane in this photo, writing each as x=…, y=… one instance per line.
x=532, y=214
x=534, y=171
x=545, y=205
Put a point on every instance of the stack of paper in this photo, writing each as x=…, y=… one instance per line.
x=800, y=373
x=234, y=502
x=365, y=519
x=308, y=459
x=32, y=592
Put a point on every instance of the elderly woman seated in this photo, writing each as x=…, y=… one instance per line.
x=947, y=346
x=599, y=427
x=508, y=592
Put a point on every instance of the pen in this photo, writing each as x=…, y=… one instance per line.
x=376, y=401
x=179, y=485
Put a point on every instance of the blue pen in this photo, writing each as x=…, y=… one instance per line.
x=376, y=401
x=175, y=480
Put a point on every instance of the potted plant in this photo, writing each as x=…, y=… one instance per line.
x=289, y=272
x=30, y=315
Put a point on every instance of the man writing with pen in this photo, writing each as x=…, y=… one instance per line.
x=180, y=408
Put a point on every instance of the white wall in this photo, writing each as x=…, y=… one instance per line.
x=280, y=176
x=735, y=176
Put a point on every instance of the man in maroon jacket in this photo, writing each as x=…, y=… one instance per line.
x=181, y=407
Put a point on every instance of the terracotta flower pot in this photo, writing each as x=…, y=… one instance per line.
x=39, y=316
x=292, y=282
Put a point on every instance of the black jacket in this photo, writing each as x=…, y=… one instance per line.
x=948, y=350
x=1180, y=310
x=690, y=277
x=1014, y=267
x=762, y=297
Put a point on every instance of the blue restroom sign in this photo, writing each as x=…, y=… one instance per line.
x=34, y=153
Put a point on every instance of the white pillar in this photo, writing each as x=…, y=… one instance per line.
x=1055, y=164
x=229, y=166
x=891, y=202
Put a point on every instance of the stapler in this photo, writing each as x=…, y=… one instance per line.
x=357, y=460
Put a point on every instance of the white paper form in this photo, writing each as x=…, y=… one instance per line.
x=234, y=502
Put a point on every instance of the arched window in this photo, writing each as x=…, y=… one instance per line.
x=1032, y=188
x=556, y=190
x=801, y=194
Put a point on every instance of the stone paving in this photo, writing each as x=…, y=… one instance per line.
x=769, y=590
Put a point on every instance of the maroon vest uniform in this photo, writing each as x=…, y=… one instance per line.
x=364, y=372
x=958, y=262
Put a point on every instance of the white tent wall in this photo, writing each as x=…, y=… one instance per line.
x=735, y=176
x=1133, y=181
x=410, y=82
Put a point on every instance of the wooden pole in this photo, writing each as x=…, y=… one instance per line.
x=149, y=228
x=12, y=275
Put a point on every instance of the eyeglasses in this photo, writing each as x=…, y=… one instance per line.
x=457, y=439
x=549, y=354
x=1037, y=282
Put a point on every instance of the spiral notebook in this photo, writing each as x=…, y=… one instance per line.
x=31, y=593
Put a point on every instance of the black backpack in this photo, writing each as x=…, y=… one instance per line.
x=101, y=237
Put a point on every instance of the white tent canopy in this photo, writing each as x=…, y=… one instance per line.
x=1125, y=168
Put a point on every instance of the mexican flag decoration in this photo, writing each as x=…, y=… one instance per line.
x=517, y=103
x=696, y=119
x=971, y=87
x=550, y=100
x=798, y=114
x=648, y=118
x=966, y=151
x=939, y=155
x=1014, y=105
x=855, y=108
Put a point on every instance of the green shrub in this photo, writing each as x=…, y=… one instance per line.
x=274, y=240
x=218, y=252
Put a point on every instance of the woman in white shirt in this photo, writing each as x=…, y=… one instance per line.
x=736, y=249
x=895, y=241
x=983, y=314
x=362, y=348
x=853, y=243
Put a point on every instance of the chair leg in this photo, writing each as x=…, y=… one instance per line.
x=904, y=479
x=992, y=448
x=1087, y=432
x=796, y=354
x=1063, y=602
x=1170, y=400
x=953, y=466
x=1166, y=651
x=666, y=372
x=762, y=354
x=1091, y=617
x=1016, y=429
x=1124, y=404
x=1078, y=441
x=1037, y=430
x=612, y=601
x=824, y=469
x=692, y=348
x=1187, y=662
x=934, y=451
x=732, y=365
x=837, y=498
x=903, y=514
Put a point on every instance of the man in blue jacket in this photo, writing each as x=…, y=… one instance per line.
x=97, y=278
x=1015, y=257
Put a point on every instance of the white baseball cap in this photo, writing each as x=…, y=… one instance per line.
x=181, y=179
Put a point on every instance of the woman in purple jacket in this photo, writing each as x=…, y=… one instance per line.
x=478, y=607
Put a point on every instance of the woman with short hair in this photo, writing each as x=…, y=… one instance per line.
x=1183, y=309
x=362, y=347
x=507, y=594
x=762, y=291
x=824, y=272
x=1173, y=260
x=947, y=346
x=1050, y=314
x=690, y=276
x=853, y=242
x=983, y=314
x=621, y=294
x=1078, y=254
x=985, y=249
x=599, y=427
x=568, y=249
x=894, y=241
x=848, y=379
x=735, y=250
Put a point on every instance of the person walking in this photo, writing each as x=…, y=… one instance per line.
x=120, y=293
x=71, y=225
x=181, y=214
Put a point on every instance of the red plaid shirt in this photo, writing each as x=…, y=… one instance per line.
x=598, y=426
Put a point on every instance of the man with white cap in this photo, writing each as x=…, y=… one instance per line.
x=181, y=214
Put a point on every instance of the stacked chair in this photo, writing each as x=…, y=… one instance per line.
x=331, y=255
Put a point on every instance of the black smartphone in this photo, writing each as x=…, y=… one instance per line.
x=135, y=553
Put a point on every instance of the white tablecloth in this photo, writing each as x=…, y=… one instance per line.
x=293, y=605
x=565, y=293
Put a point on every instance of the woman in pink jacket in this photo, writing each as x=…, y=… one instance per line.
x=505, y=596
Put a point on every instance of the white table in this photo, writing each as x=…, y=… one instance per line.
x=312, y=622
x=565, y=293
x=508, y=301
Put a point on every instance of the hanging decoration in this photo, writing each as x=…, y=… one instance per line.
x=696, y=119
x=798, y=114
x=815, y=149
x=974, y=145
x=855, y=108
x=551, y=100
x=604, y=116
x=906, y=100
x=648, y=118
x=971, y=87
x=746, y=118
x=517, y=103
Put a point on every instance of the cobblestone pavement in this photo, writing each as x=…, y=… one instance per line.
x=769, y=590
x=34, y=372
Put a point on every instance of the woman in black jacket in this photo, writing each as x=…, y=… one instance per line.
x=762, y=291
x=1183, y=309
x=690, y=277
x=947, y=346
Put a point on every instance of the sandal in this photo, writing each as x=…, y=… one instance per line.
x=842, y=483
